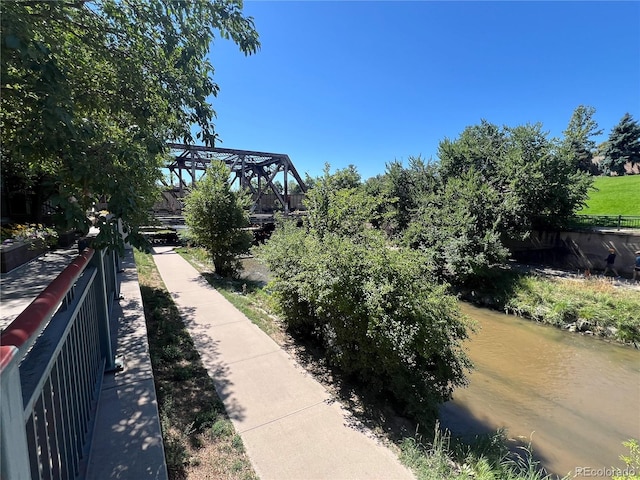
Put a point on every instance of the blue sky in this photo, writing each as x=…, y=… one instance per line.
x=366, y=83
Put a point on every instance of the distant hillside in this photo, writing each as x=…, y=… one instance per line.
x=614, y=196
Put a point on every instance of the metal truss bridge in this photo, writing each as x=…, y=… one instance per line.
x=254, y=171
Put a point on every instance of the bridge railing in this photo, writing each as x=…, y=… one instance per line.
x=52, y=360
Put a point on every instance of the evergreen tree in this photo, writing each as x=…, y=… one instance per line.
x=578, y=138
x=622, y=147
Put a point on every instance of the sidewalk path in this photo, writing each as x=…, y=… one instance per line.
x=290, y=425
x=20, y=286
x=127, y=438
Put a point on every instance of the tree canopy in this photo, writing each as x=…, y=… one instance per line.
x=622, y=147
x=490, y=184
x=533, y=176
x=92, y=90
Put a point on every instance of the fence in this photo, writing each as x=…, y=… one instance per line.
x=618, y=222
x=606, y=221
x=52, y=360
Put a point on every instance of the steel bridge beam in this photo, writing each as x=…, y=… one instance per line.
x=245, y=166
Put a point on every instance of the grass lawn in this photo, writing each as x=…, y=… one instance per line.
x=614, y=196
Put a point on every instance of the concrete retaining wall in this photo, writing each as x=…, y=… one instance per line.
x=579, y=250
x=17, y=254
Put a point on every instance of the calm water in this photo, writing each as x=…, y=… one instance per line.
x=576, y=398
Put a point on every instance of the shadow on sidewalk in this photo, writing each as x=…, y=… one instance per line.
x=190, y=403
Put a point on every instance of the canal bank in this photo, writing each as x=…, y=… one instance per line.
x=590, y=304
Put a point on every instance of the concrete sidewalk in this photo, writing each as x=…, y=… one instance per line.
x=126, y=437
x=290, y=425
x=20, y=286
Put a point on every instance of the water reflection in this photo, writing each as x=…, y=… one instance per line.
x=578, y=398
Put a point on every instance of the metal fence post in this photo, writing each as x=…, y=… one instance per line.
x=104, y=328
x=113, y=265
x=14, y=456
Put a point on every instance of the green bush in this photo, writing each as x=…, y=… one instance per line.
x=217, y=217
x=371, y=308
x=632, y=462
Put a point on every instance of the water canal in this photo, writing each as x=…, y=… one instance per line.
x=577, y=398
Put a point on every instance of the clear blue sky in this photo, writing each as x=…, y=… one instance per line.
x=366, y=83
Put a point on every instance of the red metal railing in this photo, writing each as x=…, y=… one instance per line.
x=52, y=358
x=7, y=352
x=23, y=331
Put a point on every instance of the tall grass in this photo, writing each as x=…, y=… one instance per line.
x=595, y=301
x=614, y=196
x=608, y=311
x=485, y=459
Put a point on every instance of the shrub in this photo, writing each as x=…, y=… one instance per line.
x=371, y=308
x=632, y=462
x=30, y=232
x=217, y=217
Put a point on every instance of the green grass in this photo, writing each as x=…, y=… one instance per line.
x=485, y=459
x=609, y=311
x=199, y=439
x=559, y=302
x=614, y=196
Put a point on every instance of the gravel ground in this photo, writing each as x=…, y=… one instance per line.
x=618, y=282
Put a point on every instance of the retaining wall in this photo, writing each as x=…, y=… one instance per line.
x=579, y=250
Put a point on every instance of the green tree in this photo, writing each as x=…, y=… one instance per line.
x=622, y=147
x=375, y=307
x=457, y=227
x=217, y=217
x=491, y=183
x=578, y=139
x=403, y=190
x=532, y=175
x=348, y=177
x=482, y=148
x=339, y=203
x=92, y=90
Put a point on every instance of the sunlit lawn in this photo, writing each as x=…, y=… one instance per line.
x=614, y=196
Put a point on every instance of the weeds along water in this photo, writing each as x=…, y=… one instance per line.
x=594, y=305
